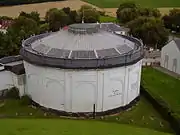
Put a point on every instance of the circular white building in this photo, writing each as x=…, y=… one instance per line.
x=76, y=68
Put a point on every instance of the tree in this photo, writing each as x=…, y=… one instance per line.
x=172, y=21
x=67, y=10
x=149, y=12
x=33, y=15
x=22, y=28
x=44, y=28
x=57, y=19
x=127, y=14
x=89, y=14
x=150, y=29
x=128, y=11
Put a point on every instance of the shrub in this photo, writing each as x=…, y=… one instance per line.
x=25, y=100
x=13, y=93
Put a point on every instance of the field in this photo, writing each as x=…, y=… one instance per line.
x=68, y=127
x=167, y=87
x=144, y=3
x=42, y=8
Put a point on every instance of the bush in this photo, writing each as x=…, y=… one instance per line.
x=13, y=93
x=25, y=100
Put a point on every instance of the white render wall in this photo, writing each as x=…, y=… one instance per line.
x=9, y=80
x=173, y=52
x=77, y=90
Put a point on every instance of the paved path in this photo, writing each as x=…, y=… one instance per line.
x=167, y=72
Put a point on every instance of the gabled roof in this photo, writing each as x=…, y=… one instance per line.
x=177, y=41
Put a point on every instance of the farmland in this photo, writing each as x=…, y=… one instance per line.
x=42, y=8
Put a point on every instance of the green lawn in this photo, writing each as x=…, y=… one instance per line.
x=167, y=87
x=107, y=19
x=141, y=115
x=68, y=127
x=145, y=3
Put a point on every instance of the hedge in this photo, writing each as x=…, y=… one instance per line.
x=163, y=108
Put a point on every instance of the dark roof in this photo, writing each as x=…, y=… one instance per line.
x=16, y=69
x=177, y=41
x=10, y=59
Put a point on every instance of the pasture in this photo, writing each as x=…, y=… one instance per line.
x=69, y=127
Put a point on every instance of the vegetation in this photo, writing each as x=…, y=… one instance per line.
x=19, y=2
x=163, y=86
x=68, y=127
x=172, y=21
x=89, y=14
x=150, y=30
x=107, y=19
x=142, y=115
x=13, y=93
x=144, y=23
x=144, y=3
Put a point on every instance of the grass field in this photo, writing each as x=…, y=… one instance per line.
x=142, y=115
x=68, y=127
x=107, y=19
x=144, y=3
x=167, y=87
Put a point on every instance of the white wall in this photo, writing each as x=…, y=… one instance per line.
x=6, y=80
x=9, y=80
x=78, y=90
x=173, y=52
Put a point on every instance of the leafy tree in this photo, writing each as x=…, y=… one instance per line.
x=44, y=28
x=172, y=21
x=57, y=19
x=149, y=12
x=127, y=14
x=22, y=28
x=150, y=29
x=89, y=14
x=33, y=15
x=67, y=10
x=128, y=11
x=127, y=4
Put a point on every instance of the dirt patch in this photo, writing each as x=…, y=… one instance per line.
x=13, y=11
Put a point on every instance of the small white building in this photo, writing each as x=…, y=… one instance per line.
x=170, y=55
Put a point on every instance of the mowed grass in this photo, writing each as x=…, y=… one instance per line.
x=144, y=3
x=141, y=115
x=69, y=127
x=164, y=86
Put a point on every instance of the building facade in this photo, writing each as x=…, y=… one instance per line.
x=170, y=56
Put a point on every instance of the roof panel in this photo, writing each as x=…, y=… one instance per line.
x=42, y=48
x=107, y=53
x=124, y=49
x=83, y=54
x=59, y=53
